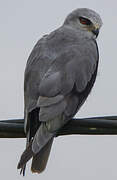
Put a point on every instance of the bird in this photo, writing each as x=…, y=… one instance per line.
x=59, y=75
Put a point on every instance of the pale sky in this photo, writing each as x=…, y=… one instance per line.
x=22, y=23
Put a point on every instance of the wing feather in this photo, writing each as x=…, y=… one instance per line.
x=68, y=70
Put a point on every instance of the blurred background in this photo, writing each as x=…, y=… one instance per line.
x=22, y=23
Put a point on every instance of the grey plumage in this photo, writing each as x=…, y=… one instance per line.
x=59, y=76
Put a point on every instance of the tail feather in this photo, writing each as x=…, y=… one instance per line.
x=26, y=156
x=40, y=160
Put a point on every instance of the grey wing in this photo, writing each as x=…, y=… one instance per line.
x=58, y=100
x=36, y=66
x=67, y=72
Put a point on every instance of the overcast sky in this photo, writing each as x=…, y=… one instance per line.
x=22, y=23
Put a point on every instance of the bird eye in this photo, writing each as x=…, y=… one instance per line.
x=85, y=21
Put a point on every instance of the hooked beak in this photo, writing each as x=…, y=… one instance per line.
x=95, y=32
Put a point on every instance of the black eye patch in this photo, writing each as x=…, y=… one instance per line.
x=85, y=21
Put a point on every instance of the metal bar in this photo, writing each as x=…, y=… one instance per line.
x=106, y=125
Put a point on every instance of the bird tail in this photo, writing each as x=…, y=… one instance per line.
x=40, y=160
x=25, y=157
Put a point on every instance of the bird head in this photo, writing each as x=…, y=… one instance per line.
x=86, y=21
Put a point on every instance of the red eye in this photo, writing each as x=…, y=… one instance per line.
x=84, y=21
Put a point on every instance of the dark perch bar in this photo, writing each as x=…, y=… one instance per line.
x=106, y=125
